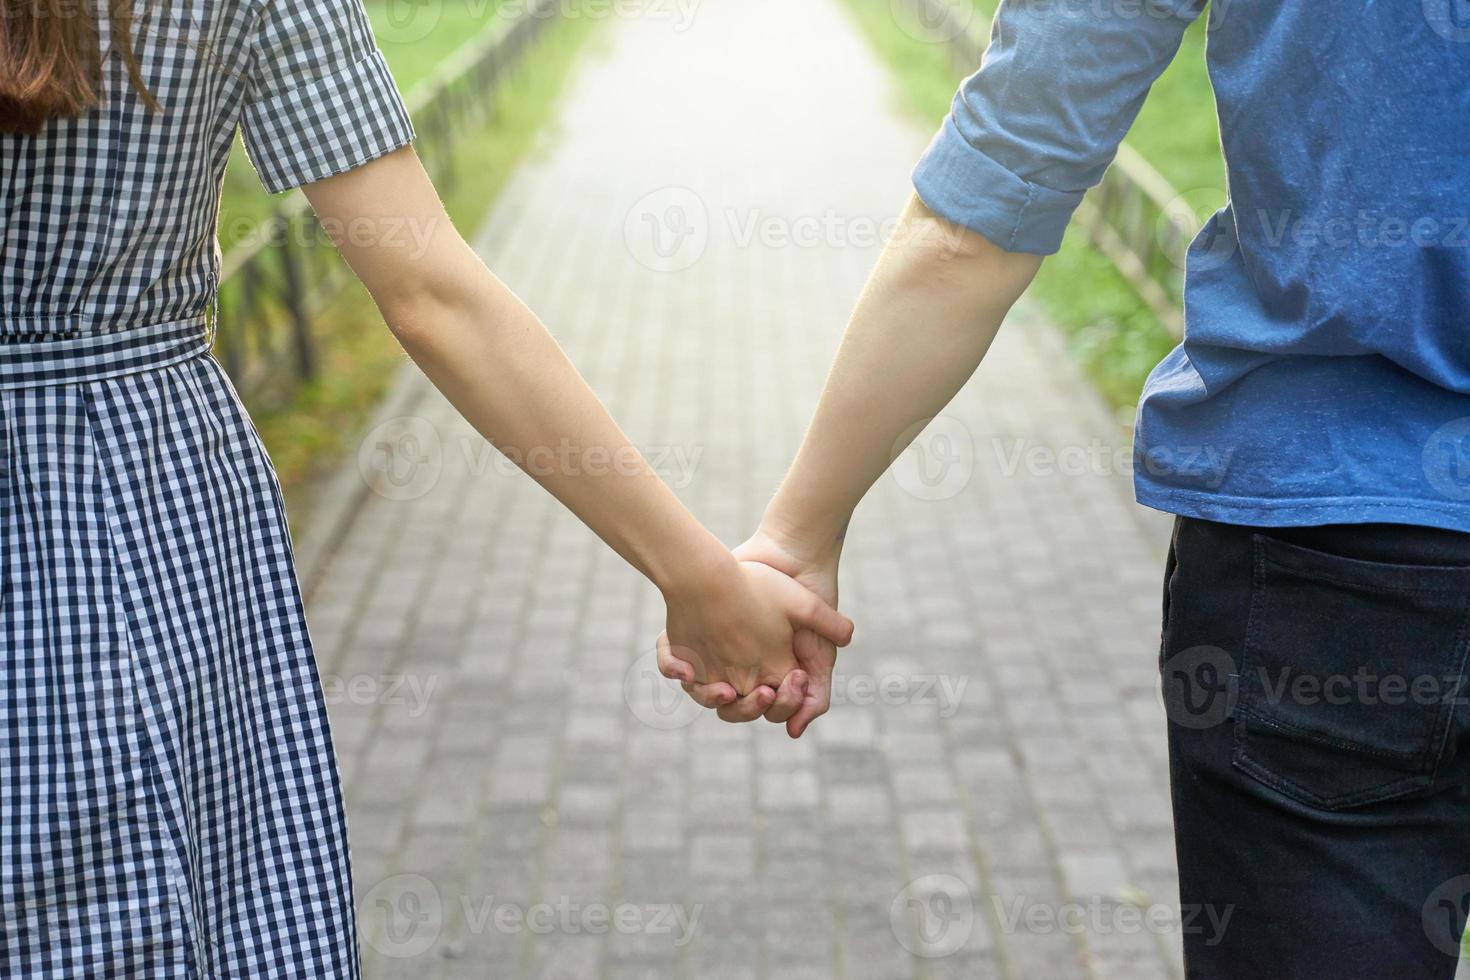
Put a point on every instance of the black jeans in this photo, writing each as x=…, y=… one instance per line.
x=1319, y=749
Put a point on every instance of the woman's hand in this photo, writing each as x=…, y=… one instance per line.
x=805, y=694
x=732, y=634
x=814, y=567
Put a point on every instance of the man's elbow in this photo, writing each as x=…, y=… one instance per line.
x=937, y=239
x=940, y=257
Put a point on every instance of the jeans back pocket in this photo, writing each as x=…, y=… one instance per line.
x=1351, y=672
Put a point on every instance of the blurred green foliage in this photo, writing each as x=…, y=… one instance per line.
x=414, y=37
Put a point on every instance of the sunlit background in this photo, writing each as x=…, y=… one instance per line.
x=1111, y=330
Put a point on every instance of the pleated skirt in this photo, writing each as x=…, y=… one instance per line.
x=169, y=799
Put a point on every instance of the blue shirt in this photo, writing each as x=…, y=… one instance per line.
x=1325, y=372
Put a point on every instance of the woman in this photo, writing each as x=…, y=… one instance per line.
x=1310, y=434
x=169, y=802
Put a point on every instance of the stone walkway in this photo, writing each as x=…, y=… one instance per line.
x=528, y=798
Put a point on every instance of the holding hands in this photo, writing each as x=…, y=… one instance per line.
x=921, y=327
x=751, y=634
x=786, y=675
x=745, y=639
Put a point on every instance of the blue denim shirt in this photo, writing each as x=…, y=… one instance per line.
x=1325, y=372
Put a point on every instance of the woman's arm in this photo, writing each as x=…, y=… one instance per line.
x=491, y=357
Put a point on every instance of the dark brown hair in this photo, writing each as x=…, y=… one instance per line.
x=51, y=59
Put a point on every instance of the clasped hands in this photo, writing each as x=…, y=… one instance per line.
x=759, y=636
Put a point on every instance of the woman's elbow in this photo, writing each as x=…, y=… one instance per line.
x=422, y=296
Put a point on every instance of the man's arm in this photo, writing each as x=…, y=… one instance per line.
x=925, y=319
x=1026, y=135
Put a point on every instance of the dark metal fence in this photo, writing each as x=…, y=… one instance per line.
x=1134, y=216
x=272, y=285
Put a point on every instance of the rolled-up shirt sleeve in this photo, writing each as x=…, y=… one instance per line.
x=1038, y=124
x=321, y=99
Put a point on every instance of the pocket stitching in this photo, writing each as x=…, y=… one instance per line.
x=1317, y=576
x=1447, y=711
x=1299, y=792
x=1430, y=759
x=1335, y=743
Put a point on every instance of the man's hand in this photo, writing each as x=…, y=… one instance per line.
x=805, y=693
x=733, y=640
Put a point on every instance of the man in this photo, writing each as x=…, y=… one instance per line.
x=1318, y=587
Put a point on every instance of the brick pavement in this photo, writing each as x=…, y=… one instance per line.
x=527, y=798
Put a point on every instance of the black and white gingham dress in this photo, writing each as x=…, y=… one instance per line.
x=169, y=801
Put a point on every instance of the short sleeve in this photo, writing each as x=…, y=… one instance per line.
x=321, y=99
x=1039, y=123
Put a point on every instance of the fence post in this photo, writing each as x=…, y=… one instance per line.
x=296, y=301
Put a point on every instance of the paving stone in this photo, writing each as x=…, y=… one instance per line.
x=935, y=830
x=858, y=806
x=723, y=856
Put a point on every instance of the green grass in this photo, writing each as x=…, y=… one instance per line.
x=1110, y=331
x=309, y=435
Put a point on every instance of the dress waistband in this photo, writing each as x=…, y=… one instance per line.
x=78, y=360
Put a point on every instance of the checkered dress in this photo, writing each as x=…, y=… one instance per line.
x=169, y=801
